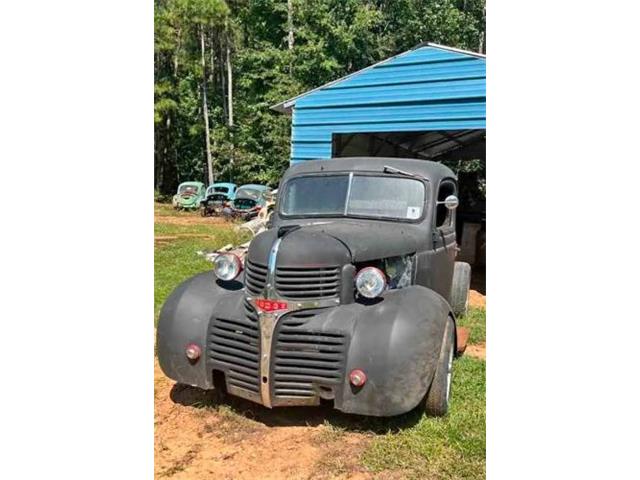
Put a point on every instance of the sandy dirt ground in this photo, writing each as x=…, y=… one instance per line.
x=477, y=351
x=477, y=299
x=197, y=441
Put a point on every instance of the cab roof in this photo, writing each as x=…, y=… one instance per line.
x=432, y=171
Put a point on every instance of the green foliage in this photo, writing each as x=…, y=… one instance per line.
x=332, y=38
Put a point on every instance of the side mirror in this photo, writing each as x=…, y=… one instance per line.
x=451, y=202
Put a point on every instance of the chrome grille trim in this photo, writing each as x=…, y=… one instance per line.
x=260, y=283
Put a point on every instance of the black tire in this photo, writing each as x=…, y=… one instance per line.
x=460, y=288
x=203, y=211
x=436, y=402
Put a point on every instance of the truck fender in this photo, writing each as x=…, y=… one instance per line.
x=184, y=319
x=397, y=343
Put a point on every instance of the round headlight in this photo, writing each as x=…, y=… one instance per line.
x=370, y=282
x=227, y=266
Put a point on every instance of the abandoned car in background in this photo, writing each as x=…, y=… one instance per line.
x=189, y=196
x=247, y=203
x=350, y=297
x=215, y=198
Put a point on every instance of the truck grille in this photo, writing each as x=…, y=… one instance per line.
x=305, y=358
x=234, y=347
x=297, y=283
x=304, y=283
x=255, y=277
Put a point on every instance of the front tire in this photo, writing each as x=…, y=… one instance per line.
x=436, y=403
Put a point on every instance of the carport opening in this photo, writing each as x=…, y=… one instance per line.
x=464, y=151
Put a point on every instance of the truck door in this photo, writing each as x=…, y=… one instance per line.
x=444, y=240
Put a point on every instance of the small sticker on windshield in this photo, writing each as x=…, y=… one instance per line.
x=413, y=213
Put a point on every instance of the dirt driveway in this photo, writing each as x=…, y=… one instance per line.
x=199, y=436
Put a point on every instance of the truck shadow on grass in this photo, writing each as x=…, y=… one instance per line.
x=292, y=416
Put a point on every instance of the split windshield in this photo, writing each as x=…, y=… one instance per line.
x=356, y=195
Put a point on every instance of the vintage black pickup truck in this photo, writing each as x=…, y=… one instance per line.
x=350, y=297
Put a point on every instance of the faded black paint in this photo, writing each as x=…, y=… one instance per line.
x=396, y=339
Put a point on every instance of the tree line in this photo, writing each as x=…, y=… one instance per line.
x=219, y=65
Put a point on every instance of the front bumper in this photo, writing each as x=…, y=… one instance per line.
x=395, y=341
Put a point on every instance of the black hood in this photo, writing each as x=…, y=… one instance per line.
x=373, y=240
x=300, y=248
x=338, y=243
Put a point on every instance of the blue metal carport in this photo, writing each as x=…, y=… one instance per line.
x=423, y=103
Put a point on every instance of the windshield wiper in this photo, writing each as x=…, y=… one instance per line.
x=388, y=169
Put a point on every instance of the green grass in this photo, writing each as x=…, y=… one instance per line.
x=452, y=447
x=475, y=320
x=176, y=261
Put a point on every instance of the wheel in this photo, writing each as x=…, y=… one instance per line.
x=203, y=211
x=460, y=287
x=436, y=402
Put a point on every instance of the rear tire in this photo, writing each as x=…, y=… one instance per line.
x=436, y=403
x=460, y=288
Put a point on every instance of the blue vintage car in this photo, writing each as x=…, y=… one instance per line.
x=249, y=200
x=216, y=197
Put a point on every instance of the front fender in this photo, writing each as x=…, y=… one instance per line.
x=184, y=319
x=397, y=343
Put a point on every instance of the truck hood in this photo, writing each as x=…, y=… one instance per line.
x=373, y=240
x=364, y=242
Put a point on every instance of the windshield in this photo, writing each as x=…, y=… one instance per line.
x=221, y=189
x=362, y=196
x=188, y=189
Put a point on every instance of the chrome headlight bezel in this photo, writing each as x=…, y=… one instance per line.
x=227, y=266
x=370, y=282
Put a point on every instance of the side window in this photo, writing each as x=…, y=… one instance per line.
x=444, y=216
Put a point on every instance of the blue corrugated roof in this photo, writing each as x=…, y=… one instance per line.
x=428, y=88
